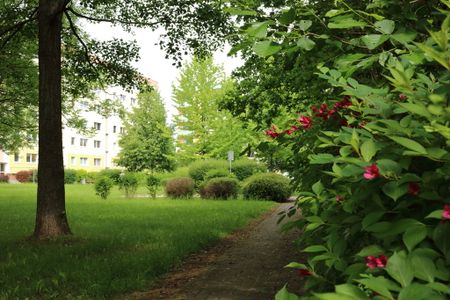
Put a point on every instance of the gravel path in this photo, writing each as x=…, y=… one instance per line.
x=247, y=265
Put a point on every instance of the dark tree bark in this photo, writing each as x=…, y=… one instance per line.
x=51, y=219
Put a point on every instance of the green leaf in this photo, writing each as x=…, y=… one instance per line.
x=320, y=159
x=351, y=290
x=417, y=292
x=266, y=48
x=440, y=287
x=295, y=265
x=287, y=17
x=354, y=142
x=345, y=21
x=409, y=144
x=258, y=30
x=370, y=250
x=404, y=37
x=377, y=284
x=424, y=267
x=414, y=235
x=334, y=12
x=333, y=296
x=417, y=109
x=306, y=43
x=374, y=40
x=437, y=214
x=304, y=24
x=395, y=190
x=239, y=12
x=283, y=294
x=388, y=166
x=318, y=188
x=385, y=26
x=440, y=57
x=368, y=150
x=371, y=218
x=314, y=219
x=399, y=268
x=315, y=248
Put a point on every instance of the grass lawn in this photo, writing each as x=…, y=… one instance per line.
x=119, y=245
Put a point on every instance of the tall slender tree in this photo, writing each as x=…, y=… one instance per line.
x=188, y=24
x=147, y=143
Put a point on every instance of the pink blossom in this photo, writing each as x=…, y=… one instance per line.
x=306, y=122
x=376, y=262
x=339, y=198
x=371, y=172
x=271, y=133
x=402, y=97
x=446, y=212
x=291, y=130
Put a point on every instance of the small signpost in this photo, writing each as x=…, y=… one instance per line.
x=230, y=157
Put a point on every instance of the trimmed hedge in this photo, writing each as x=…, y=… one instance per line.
x=70, y=176
x=199, y=169
x=220, y=188
x=182, y=187
x=245, y=168
x=4, y=178
x=216, y=173
x=267, y=186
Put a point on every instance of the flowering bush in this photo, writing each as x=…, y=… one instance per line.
x=380, y=226
x=377, y=224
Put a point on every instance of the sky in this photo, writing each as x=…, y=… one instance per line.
x=153, y=63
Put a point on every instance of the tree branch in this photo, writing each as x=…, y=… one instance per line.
x=74, y=30
x=95, y=19
x=17, y=27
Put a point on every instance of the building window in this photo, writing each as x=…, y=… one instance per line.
x=97, y=162
x=114, y=129
x=73, y=161
x=31, y=158
x=2, y=168
x=114, y=145
x=122, y=130
x=83, y=142
x=97, y=125
x=72, y=141
x=84, y=105
x=96, y=144
x=83, y=161
x=16, y=157
x=133, y=101
x=122, y=97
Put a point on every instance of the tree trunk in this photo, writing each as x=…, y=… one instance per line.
x=51, y=219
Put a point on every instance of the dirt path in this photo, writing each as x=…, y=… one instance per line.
x=246, y=265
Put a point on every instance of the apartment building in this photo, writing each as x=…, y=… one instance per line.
x=92, y=151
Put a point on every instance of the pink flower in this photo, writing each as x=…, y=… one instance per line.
x=371, y=172
x=343, y=103
x=446, y=212
x=402, y=97
x=376, y=262
x=291, y=130
x=413, y=188
x=339, y=198
x=306, y=122
x=303, y=272
x=271, y=133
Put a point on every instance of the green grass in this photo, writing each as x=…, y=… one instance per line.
x=119, y=245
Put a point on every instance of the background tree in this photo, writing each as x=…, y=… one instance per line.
x=188, y=25
x=147, y=143
x=204, y=130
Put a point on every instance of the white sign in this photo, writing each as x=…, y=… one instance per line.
x=230, y=155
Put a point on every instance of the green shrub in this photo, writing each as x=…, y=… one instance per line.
x=113, y=174
x=81, y=176
x=103, y=187
x=182, y=187
x=245, y=168
x=220, y=188
x=91, y=177
x=152, y=183
x=129, y=183
x=215, y=173
x=267, y=186
x=198, y=169
x=70, y=176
